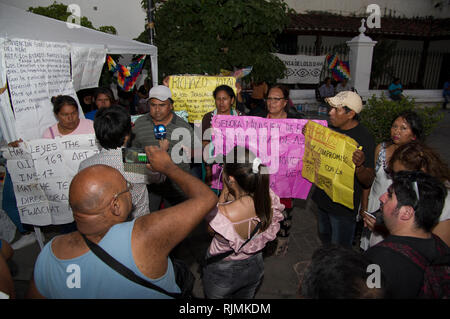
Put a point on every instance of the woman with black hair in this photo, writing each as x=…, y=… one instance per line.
x=225, y=99
x=407, y=127
x=245, y=219
x=65, y=109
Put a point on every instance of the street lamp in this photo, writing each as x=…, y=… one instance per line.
x=150, y=24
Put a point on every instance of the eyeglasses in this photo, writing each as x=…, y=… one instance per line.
x=116, y=196
x=129, y=188
x=275, y=99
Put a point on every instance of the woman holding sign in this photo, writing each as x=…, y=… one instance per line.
x=224, y=98
x=65, y=109
x=278, y=108
x=407, y=127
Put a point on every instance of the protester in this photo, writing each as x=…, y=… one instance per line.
x=407, y=127
x=395, y=90
x=224, y=98
x=419, y=157
x=410, y=209
x=277, y=107
x=141, y=103
x=113, y=131
x=336, y=272
x=337, y=222
x=326, y=89
x=343, y=86
x=86, y=98
x=65, y=109
x=246, y=202
x=161, y=113
x=259, y=92
x=103, y=97
x=100, y=200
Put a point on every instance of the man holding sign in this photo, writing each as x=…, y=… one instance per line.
x=337, y=223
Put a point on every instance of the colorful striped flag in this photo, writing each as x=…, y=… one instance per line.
x=127, y=75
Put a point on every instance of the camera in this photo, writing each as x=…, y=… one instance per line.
x=134, y=155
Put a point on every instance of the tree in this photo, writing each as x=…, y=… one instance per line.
x=59, y=11
x=205, y=36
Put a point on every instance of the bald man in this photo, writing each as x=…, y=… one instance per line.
x=101, y=202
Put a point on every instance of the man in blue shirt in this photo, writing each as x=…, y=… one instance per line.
x=395, y=90
x=101, y=203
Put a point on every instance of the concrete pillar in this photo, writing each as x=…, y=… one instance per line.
x=360, y=59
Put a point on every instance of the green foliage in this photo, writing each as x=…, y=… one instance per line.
x=59, y=11
x=379, y=113
x=204, y=36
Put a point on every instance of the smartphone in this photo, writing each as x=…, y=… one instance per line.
x=134, y=155
x=369, y=214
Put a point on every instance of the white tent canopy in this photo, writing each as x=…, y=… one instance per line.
x=18, y=23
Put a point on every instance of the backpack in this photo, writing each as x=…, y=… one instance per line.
x=436, y=274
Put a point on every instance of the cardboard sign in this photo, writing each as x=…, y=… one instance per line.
x=194, y=93
x=328, y=162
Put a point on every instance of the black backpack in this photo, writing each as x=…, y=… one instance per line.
x=436, y=274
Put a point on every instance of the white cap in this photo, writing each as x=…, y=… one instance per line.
x=160, y=92
x=346, y=98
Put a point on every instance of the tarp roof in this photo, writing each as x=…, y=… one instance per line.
x=18, y=23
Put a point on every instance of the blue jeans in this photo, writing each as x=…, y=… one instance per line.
x=336, y=229
x=233, y=279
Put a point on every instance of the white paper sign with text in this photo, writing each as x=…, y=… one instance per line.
x=41, y=172
x=36, y=71
x=87, y=64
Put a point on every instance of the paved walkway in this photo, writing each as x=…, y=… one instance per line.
x=280, y=280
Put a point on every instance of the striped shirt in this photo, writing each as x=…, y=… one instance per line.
x=144, y=136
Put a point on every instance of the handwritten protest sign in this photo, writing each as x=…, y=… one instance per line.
x=41, y=172
x=87, y=64
x=36, y=71
x=328, y=162
x=194, y=93
x=278, y=143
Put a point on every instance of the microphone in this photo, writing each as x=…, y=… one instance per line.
x=160, y=132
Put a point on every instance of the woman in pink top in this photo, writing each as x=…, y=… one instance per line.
x=65, y=109
x=69, y=123
x=246, y=206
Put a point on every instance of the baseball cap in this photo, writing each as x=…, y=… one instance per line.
x=346, y=98
x=160, y=92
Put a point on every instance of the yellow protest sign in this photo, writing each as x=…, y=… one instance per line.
x=328, y=164
x=194, y=93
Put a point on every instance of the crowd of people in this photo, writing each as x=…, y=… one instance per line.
x=129, y=217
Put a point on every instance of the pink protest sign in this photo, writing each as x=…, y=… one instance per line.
x=280, y=145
